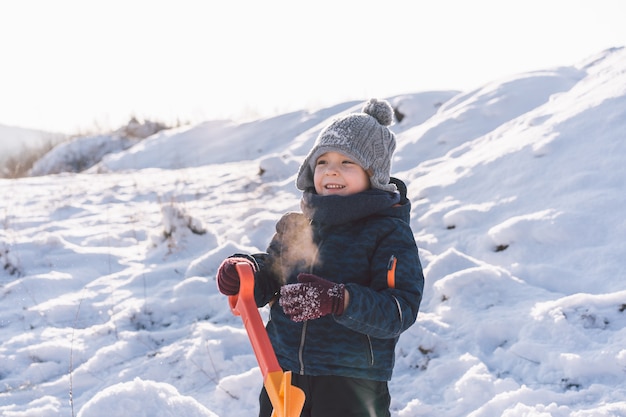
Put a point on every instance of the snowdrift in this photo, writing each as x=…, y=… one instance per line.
x=107, y=292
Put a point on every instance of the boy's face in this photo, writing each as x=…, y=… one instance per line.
x=336, y=174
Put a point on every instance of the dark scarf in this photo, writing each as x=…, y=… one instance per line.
x=335, y=209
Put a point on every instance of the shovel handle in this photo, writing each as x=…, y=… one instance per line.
x=244, y=305
x=286, y=399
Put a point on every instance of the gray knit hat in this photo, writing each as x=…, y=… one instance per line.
x=363, y=137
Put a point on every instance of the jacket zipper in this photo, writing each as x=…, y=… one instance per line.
x=301, y=349
x=371, y=350
x=304, y=325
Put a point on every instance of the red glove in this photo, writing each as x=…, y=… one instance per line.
x=227, y=276
x=312, y=298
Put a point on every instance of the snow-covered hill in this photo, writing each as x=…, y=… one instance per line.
x=108, y=303
x=19, y=144
x=15, y=139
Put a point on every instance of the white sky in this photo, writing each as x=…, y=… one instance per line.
x=73, y=65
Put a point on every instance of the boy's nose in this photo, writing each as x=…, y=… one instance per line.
x=331, y=169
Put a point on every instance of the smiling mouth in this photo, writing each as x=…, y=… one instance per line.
x=334, y=186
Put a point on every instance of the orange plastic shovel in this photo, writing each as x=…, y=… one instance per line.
x=286, y=399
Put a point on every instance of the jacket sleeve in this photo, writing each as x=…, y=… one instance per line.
x=265, y=285
x=378, y=310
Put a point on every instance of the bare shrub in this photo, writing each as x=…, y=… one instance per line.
x=18, y=166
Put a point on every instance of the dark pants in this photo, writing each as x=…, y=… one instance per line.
x=336, y=396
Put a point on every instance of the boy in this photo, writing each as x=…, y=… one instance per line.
x=343, y=277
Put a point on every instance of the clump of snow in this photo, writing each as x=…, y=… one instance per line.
x=82, y=153
x=79, y=154
x=107, y=278
x=143, y=399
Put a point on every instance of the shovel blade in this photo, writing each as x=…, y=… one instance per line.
x=287, y=399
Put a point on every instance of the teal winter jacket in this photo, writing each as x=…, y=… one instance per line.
x=376, y=257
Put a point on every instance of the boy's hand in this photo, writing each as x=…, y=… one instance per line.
x=227, y=276
x=313, y=297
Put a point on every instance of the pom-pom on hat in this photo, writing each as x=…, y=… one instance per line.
x=363, y=137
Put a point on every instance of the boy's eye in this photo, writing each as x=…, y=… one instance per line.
x=343, y=162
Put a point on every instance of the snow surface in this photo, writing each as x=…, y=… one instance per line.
x=108, y=303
